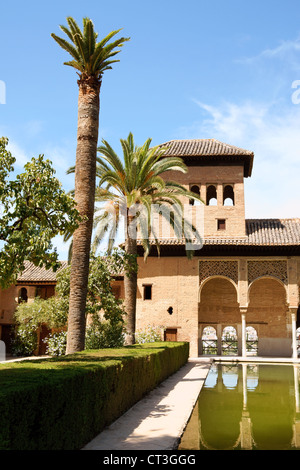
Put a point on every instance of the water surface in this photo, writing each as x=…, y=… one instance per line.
x=246, y=406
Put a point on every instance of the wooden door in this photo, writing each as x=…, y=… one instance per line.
x=171, y=334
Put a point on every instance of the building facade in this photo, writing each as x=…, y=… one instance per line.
x=242, y=286
x=33, y=282
x=239, y=291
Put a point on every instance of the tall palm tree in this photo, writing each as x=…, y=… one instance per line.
x=134, y=188
x=90, y=59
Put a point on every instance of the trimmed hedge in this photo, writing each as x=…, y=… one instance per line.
x=63, y=403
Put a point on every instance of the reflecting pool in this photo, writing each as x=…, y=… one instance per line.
x=246, y=406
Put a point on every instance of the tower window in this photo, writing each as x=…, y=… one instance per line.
x=228, y=195
x=221, y=224
x=211, y=195
x=23, y=297
x=194, y=189
x=147, y=291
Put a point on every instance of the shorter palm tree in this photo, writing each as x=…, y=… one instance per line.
x=130, y=190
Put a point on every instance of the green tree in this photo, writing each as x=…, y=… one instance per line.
x=130, y=190
x=34, y=209
x=29, y=317
x=105, y=311
x=100, y=296
x=90, y=59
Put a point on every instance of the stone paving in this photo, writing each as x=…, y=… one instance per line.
x=157, y=421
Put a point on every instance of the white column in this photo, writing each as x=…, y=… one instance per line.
x=245, y=401
x=244, y=349
x=294, y=336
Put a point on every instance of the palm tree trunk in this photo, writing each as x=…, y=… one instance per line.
x=130, y=287
x=85, y=180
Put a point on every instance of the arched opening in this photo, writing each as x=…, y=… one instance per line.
x=251, y=341
x=209, y=341
x=23, y=297
x=211, y=195
x=228, y=196
x=229, y=341
x=267, y=307
x=298, y=340
x=218, y=305
x=298, y=318
x=195, y=189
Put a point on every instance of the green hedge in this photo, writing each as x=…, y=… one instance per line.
x=63, y=403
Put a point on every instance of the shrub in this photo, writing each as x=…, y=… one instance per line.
x=151, y=334
x=63, y=403
x=30, y=316
x=24, y=340
x=103, y=334
x=56, y=343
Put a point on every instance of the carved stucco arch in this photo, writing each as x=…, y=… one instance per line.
x=274, y=278
x=217, y=276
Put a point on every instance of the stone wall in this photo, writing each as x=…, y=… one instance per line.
x=217, y=292
x=219, y=176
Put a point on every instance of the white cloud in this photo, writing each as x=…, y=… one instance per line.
x=19, y=154
x=274, y=137
x=287, y=51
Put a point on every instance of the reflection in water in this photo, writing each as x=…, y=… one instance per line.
x=229, y=377
x=246, y=406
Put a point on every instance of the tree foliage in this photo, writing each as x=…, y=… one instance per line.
x=34, y=209
x=135, y=185
x=106, y=313
x=100, y=295
x=89, y=57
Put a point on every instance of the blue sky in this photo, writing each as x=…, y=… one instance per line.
x=193, y=69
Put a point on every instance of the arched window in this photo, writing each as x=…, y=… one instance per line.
x=209, y=340
x=228, y=195
x=23, y=297
x=211, y=195
x=298, y=317
x=251, y=341
x=195, y=189
x=229, y=341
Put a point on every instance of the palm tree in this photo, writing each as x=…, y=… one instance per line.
x=132, y=189
x=90, y=59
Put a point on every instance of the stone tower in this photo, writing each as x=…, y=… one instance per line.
x=216, y=171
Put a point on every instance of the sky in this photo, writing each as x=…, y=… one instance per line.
x=194, y=69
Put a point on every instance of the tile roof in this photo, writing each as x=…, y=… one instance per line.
x=259, y=232
x=205, y=147
x=209, y=149
x=34, y=273
x=273, y=231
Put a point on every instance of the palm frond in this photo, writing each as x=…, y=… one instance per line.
x=136, y=182
x=67, y=47
x=90, y=58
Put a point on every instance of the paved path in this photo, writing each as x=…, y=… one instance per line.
x=157, y=421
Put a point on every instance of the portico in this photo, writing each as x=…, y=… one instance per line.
x=246, y=276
